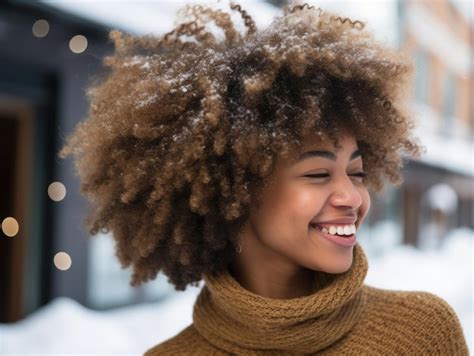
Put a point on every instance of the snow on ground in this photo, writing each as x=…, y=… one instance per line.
x=64, y=327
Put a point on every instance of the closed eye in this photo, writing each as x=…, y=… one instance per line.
x=324, y=175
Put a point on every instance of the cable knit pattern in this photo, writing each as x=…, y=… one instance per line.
x=342, y=317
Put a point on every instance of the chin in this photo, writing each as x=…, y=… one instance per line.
x=342, y=265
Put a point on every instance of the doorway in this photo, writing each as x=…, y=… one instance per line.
x=15, y=151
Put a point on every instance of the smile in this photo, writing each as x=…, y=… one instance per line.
x=341, y=240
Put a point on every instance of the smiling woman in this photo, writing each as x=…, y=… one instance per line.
x=323, y=188
x=247, y=163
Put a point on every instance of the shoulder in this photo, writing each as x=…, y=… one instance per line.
x=186, y=342
x=420, y=302
x=423, y=316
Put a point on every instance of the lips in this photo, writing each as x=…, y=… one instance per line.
x=340, y=221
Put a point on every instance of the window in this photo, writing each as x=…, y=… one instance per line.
x=449, y=103
x=422, y=76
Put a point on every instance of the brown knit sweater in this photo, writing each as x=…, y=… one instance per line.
x=343, y=316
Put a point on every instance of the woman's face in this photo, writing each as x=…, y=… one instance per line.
x=307, y=189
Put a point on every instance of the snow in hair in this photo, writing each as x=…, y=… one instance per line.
x=181, y=135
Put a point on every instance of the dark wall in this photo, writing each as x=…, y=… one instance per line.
x=52, y=79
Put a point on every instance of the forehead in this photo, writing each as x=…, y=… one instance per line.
x=347, y=141
x=315, y=142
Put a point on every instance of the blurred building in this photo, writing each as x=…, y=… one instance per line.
x=439, y=35
x=50, y=51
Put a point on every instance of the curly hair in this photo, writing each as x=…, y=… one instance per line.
x=181, y=134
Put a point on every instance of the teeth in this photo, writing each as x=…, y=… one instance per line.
x=340, y=230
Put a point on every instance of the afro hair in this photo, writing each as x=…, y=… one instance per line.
x=181, y=133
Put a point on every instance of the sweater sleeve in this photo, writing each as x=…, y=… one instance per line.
x=444, y=328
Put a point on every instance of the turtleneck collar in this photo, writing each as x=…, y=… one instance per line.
x=236, y=320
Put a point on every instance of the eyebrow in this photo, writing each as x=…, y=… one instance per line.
x=326, y=154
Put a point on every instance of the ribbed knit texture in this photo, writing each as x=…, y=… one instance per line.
x=343, y=316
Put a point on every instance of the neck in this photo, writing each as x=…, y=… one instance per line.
x=268, y=274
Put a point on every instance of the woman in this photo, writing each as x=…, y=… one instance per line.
x=247, y=162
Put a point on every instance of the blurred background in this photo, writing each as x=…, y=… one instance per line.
x=62, y=291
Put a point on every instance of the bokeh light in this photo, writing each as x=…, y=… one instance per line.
x=40, y=28
x=62, y=261
x=78, y=44
x=57, y=191
x=10, y=226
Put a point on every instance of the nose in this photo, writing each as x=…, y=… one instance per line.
x=346, y=194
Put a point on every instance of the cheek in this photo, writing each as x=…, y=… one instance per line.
x=308, y=203
x=297, y=206
x=278, y=207
x=288, y=206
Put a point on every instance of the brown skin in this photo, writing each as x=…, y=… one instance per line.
x=279, y=249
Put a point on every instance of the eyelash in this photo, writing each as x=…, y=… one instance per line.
x=323, y=175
